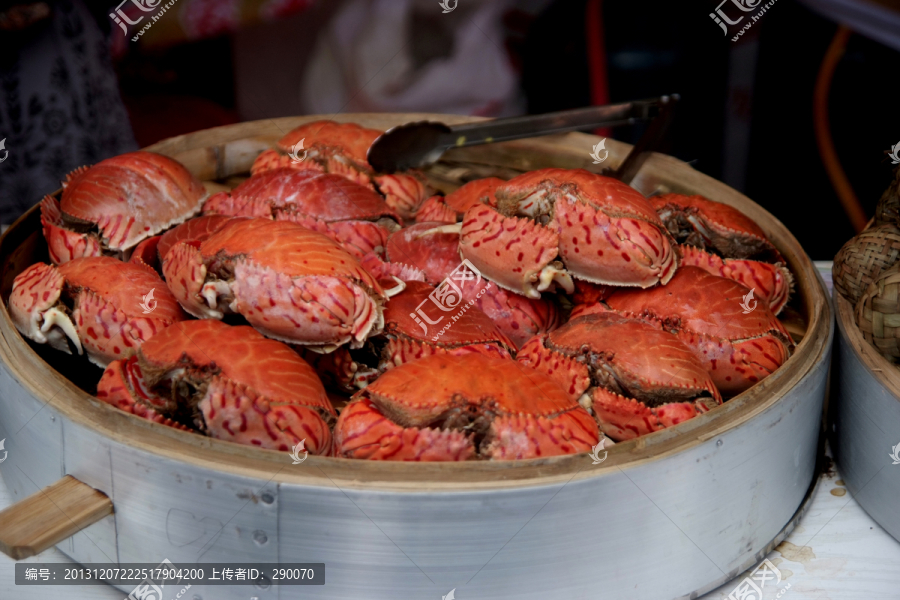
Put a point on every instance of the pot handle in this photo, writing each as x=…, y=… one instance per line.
x=49, y=516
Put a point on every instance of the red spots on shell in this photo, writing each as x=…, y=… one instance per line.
x=116, y=349
x=599, y=252
x=626, y=257
x=92, y=333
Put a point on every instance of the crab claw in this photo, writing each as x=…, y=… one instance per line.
x=515, y=253
x=35, y=309
x=185, y=275
x=63, y=244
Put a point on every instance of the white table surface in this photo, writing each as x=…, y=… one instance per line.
x=836, y=552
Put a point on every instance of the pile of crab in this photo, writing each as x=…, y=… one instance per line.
x=360, y=315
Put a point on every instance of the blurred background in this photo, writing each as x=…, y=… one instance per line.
x=798, y=113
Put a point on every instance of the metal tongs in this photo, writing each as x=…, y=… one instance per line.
x=419, y=144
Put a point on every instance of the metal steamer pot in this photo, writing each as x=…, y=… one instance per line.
x=670, y=515
x=865, y=421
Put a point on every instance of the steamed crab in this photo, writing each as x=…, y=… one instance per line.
x=634, y=377
x=551, y=225
x=706, y=312
x=109, y=208
x=104, y=306
x=290, y=283
x=341, y=148
x=229, y=382
x=721, y=240
x=453, y=327
x=434, y=250
x=714, y=227
x=418, y=322
x=450, y=408
x=352, y=215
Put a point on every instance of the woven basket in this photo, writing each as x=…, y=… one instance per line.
x=878, y=314
x=864, y=258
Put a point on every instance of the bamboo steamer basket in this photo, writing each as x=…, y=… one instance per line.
x=669, y=515
x=865, y=418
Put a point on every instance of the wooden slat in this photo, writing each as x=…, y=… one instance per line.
x=49, y=516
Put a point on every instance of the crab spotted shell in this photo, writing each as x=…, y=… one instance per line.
x=771, y=282
x=449, y=408
x=105, y=307
x=230, y=382
x=433, y=249
x=554, y=224
x=290, y=283
x=341, y=148
x=650, y=382
x=111, y=207
x=737, y=348
x=352, y=215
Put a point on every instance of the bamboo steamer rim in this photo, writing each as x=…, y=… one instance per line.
x=224, y=151
x=880, y=368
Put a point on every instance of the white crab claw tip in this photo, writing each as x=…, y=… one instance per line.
x=401, y=285
x=57, y=318
x=453, y=228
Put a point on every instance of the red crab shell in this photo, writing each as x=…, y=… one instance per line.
x=602, y=230
x=152, y=251
x=714, y=227
x=448, y=408
x=341, y=148
x=450, y=208
x=290, y=283
x=433, y=250
x=416, y=327
x=427, y=247
x=352, y=215
x=635, y=377
x=123, y=200
x=706, y=312
x=772, y=283
x=110, y=299
x=230, y=382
